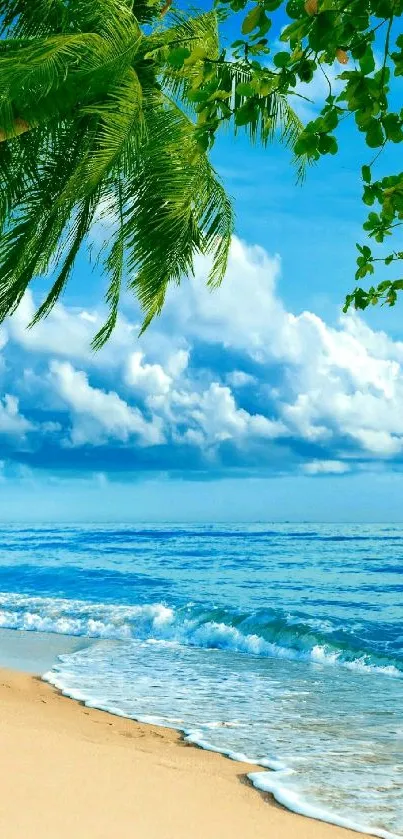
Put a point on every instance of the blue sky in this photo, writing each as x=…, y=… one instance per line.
x=257, y=402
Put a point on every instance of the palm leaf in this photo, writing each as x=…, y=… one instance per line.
x=96, y=122
x=80, y=229
x=115, y=268
x=38, y=18
x=49, y=77
x=179, y=198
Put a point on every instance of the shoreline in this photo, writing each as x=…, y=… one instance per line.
x=69, y=769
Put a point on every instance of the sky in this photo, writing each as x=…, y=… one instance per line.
x=257, y=402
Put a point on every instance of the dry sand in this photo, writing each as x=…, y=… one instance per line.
x=68, y=771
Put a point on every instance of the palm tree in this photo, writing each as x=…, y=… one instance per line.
x=97, y=121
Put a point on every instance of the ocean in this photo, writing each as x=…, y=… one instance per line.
x=277, y=644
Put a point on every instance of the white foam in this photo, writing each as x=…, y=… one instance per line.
x=156, y=623
x=273, y=782
x=196, y=739
x=102, y=670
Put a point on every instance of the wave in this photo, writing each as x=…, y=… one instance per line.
x=266, y=633
x=101, y=536
x=274, y=783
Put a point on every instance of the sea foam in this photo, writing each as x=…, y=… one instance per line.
x=274, y=635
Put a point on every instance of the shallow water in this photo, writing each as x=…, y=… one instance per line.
x=280, y=643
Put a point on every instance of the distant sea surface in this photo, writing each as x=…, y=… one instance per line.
x=280, y=644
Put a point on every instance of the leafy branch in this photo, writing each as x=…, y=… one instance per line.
x=321, y=34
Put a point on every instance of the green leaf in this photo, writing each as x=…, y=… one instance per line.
x=267, y=86
x=306, y=144
x=197, y=54
x=178, y=56
x=331, y=120
x=368, y=196
x=393, y=127
x=374, y=135
x=327, y=144
x=306, y=70
x=264, y=26
x=384, y=286
x=198, y=95
x=246, y=113
x=281, y=59
x=367, y=62
x=245, y=89
x=252, y=20
x=294, y=8
x=366, y=174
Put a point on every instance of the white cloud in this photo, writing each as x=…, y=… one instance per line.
x=154, y=379
x=345, y=385
x=177, y=363
x=235, y=315
x=150, y=378
x=209, y=416
x=326, y=467
x=333, y=383
x=240, y=379
x=97, y=415
x=68, y=332
x=339, y=381
x=11, y=421
x=214, y=412
x=378, y=442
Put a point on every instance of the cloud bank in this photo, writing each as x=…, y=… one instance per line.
x=224, y=381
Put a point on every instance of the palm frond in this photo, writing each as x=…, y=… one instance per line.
x=49, y=76
x=197, y=33
x=39, y=18
x=95, y=121
x=33, y=228
x=119, y=132
x=33, y=19
x=115, y=268
x=177, y=208
x=80, y=229
x=274, y=118
x=191, y=28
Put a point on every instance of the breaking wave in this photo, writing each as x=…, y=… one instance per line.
x=265, y=633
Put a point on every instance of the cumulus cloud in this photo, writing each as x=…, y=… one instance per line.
x=149, y=378
x=240, y=314
x=11, y=421
x=212, y=417
x=67, y=332
x=238, y=378
x=226, y=371
x=98, y=415
x=344, y=381
x=153, y=379
x=343, y=385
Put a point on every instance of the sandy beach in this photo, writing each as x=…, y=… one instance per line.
x=70, y=771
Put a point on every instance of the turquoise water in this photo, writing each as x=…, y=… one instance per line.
x=282, y=644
